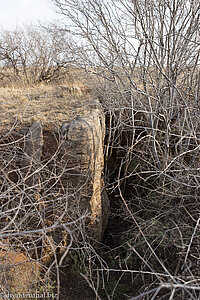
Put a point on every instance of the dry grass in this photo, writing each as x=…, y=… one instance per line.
x=44, y=103
x=47, y=103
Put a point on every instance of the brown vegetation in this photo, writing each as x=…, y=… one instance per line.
x=140, y=59
x=18, y=273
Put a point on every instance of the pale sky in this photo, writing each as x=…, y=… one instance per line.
x=19, y=12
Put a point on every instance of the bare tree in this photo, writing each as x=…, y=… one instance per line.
x=145, y=55
x=35, y=54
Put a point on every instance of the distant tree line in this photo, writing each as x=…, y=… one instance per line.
x=34, y=54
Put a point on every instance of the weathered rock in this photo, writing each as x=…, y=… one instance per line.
x=33, y=142
x=85, y=147
x=51, y=174
x=50, y=163
x=81, y=163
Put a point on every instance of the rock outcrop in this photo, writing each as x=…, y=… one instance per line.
x=51, y=166
x=84, y=145
x=57, y=152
